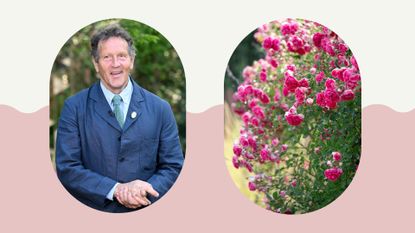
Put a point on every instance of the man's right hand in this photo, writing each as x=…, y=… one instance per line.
x=134, y=194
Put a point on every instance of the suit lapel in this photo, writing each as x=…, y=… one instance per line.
x=101, y=106
x=136, y=106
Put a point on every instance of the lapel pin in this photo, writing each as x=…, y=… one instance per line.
x=133, y=115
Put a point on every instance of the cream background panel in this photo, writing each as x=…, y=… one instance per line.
x=205, y=34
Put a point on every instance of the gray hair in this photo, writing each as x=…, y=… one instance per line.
x=104, y=34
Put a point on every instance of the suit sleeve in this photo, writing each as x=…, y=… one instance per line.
x=170, y=156
x=78, y=180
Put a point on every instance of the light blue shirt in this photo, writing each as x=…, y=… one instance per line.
x=125, y=103
x=125, y=95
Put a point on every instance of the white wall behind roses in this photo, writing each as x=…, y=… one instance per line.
x=205, y=35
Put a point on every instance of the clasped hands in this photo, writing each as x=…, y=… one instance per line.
x=134, y=194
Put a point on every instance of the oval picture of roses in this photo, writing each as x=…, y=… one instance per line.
x=292, y=116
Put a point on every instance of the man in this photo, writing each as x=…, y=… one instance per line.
x=117, y=147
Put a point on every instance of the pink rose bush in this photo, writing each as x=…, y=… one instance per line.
x=301, y=117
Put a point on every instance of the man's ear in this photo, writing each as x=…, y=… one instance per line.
x=95, y=65
x=132, y=63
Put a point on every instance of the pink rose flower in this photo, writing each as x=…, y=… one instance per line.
x=303, y=82
x=347, y=73
x=241, y=92
x=248, y=89
x=332, y=64
x=354, y=63
x=257, y=92
x=248, y=72
x=284, y=107
x=298, y=43
x=267, y=43
x=255, y=121
x=276, y=44
x=320, y=99
x=343, y=48
x=252, y=103
x=235, y=162
x=353, y=81
x=330, y=50
x=252, y=141
x=317, y=39
x=294, y=183
x=274, y=63
x=306, y=165
x=289, y=28
x=238, y=110
x=291, y=83
x=274, y=157
x=243, y=141
x=330, y=84
x=259, y=112
x=264, y=98
x=347, y=95
x=336, y=156
x=293, y=27
x=293, y=118
x=264, y=154
x=291, y=67
x=249, y=156
x=277, y=95
x=299, y=96
x=275, y=142
x=331, y=97
x=246, y=116
x=288, y=73
x=248, y=166
x=307, y=48
x=339, y=73
x=235, y=97
x=285, y=28
x=237, y=150
x=284, y=147
x=263, y=75
x=285, y=91
x=333, y=174
x=319, y=77
x=251, y=186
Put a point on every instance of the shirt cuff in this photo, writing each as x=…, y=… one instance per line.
x=110, y=195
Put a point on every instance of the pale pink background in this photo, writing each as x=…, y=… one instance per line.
x=204, y=199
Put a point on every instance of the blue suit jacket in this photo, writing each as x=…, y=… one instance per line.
x=93, y=152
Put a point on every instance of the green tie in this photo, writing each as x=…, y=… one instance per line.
x=116, y=101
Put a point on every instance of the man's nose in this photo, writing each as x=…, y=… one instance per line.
x=115, y=62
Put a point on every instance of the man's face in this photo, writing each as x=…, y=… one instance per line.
x=114, y=63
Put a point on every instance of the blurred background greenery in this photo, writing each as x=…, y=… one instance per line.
x=247, y=51
x=157, y=68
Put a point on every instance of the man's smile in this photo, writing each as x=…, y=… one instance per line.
x=116, y=73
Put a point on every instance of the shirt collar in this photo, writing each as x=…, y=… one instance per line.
x=125, y=94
